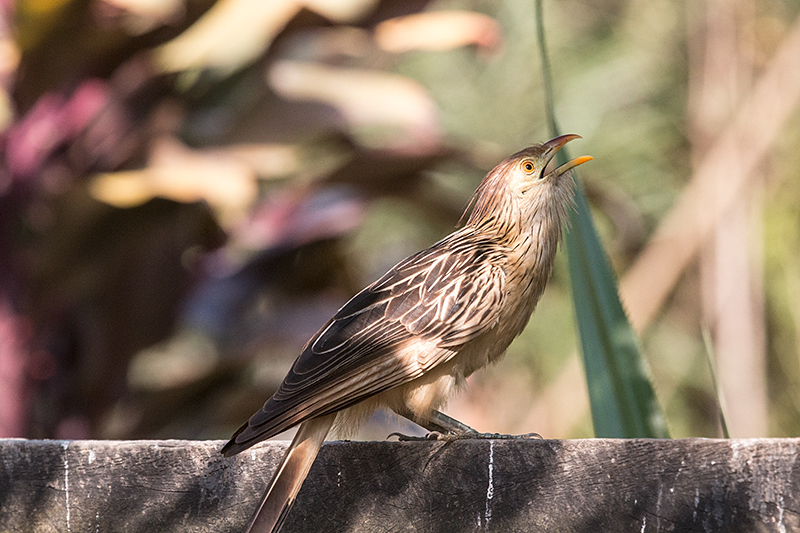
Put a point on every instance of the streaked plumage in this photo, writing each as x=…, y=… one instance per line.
x=410, y=339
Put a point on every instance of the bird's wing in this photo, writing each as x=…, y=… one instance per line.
x=450, y=296
x=447, y=294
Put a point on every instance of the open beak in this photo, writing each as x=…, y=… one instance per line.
x=554, y=145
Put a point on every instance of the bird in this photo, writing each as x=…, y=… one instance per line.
x=408, y=341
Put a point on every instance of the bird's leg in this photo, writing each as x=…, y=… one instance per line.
x=438, y=424
x=452, y=425
x=446, y=428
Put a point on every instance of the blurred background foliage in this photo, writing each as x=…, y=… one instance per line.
x=190, y=188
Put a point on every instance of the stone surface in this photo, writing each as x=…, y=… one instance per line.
x=465, y=486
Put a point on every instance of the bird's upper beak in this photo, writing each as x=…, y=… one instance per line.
x=554, y=145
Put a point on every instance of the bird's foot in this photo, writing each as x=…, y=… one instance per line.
x=449, y=437
x=488, y=436
x=503, y=436
x=433, y=435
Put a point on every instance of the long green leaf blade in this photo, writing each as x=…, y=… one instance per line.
x=623, y=402
x=622, y=399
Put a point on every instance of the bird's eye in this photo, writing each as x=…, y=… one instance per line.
x=527, y=167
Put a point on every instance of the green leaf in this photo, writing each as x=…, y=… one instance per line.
x=622, y=398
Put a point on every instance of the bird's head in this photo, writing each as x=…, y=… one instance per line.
x=526, y=171
x=523, y=185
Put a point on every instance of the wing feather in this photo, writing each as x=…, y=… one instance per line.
x=449, y=294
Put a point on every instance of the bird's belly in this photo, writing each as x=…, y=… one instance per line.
x=481, y=352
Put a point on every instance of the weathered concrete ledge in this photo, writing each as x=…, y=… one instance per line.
x=506, y=486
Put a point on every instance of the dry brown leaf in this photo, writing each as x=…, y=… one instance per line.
x=235, y=32
x=178, y=173
x=364, y=98
x=439, y=31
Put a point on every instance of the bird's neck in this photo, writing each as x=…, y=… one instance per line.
x=529, y=221
x=528, y=228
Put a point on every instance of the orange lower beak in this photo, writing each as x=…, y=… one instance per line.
x=569, y=165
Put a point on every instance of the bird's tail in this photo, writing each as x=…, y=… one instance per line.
x=292, y=470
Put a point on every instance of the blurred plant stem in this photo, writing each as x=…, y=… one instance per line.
x=731, y=265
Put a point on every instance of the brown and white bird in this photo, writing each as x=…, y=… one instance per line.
x=408, y=341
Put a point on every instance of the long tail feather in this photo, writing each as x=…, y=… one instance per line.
x=288, y=478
